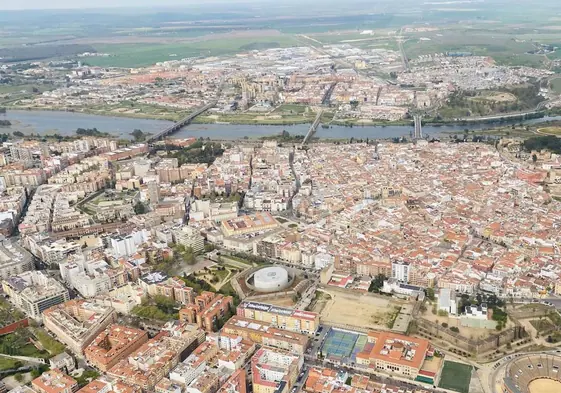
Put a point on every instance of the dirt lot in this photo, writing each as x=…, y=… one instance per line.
x=355, y=309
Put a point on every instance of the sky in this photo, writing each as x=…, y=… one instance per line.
x=69, y=4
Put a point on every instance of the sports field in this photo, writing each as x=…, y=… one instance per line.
x=455, y=376
x=343, y=345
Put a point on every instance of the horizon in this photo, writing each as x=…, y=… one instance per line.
x=73, y=5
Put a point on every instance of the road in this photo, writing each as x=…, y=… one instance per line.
x=400, y=40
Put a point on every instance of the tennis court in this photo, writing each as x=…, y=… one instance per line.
x=342, y=344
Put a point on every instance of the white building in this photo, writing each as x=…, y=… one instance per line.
x=14, y=259
x=447, y=301
x=128, y=245
x=205, y=210
x=184, y=373
x=33, y=292
x=322, y=260
x=56, y=252
x=400, y=271
x=189, y=237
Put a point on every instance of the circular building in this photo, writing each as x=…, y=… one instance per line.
x=533, y=373
x=270, y=279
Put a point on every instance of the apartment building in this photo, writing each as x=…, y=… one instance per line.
x=77, y=322
x=105, y=386
x=34, y=292
x=237, y=383
x=274, y=371
x=266, y=335
x=54, y=381
x=171, y=287
x=189, y=238
x=113, y=344
x=209, y=311
x=14, y=259
x=146, y=366
x=279, y=317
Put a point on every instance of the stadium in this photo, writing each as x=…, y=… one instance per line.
x=533, y=373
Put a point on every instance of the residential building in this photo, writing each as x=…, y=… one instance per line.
x=77, y=322
x=54, y=381
x=189, y=238
x=146, y=366
x=283, y=318
x=14, y=259
x=157, y=283
x=264, y=334
x=209, y=311
x=274, y=371
x=113, y=344
x=63, y=362
x=33, y=292
x=400, y=271
x=236, y=383
x=102, y=385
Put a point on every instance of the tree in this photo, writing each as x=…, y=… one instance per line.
x=377, y=283
x=139, y=208
x=430, y=294
x=534, y=158
x=138, y=135
x=19, y=134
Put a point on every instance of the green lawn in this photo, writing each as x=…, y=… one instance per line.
x=141, y=55
x=18, y=344
x=455, y=376
x=50, y=344
x=7, y=363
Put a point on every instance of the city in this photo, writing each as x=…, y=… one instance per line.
x=392, y=224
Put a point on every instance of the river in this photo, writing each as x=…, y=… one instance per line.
x=66, y=123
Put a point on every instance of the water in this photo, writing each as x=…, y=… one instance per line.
x=66, y=123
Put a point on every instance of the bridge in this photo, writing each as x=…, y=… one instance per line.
x=326, y=100
x=418, y=134
x=181, y=123
x=313, y=128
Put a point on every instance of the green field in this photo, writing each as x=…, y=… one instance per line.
x=499, y=43
x=455, y=376
x=556, y=85
x=141, y=55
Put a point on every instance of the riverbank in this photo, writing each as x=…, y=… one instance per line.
x=66, y=123
x=263, y=120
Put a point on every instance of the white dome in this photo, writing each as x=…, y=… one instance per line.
x=269, y=279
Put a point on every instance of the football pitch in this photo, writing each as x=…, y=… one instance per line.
x=455, y=376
